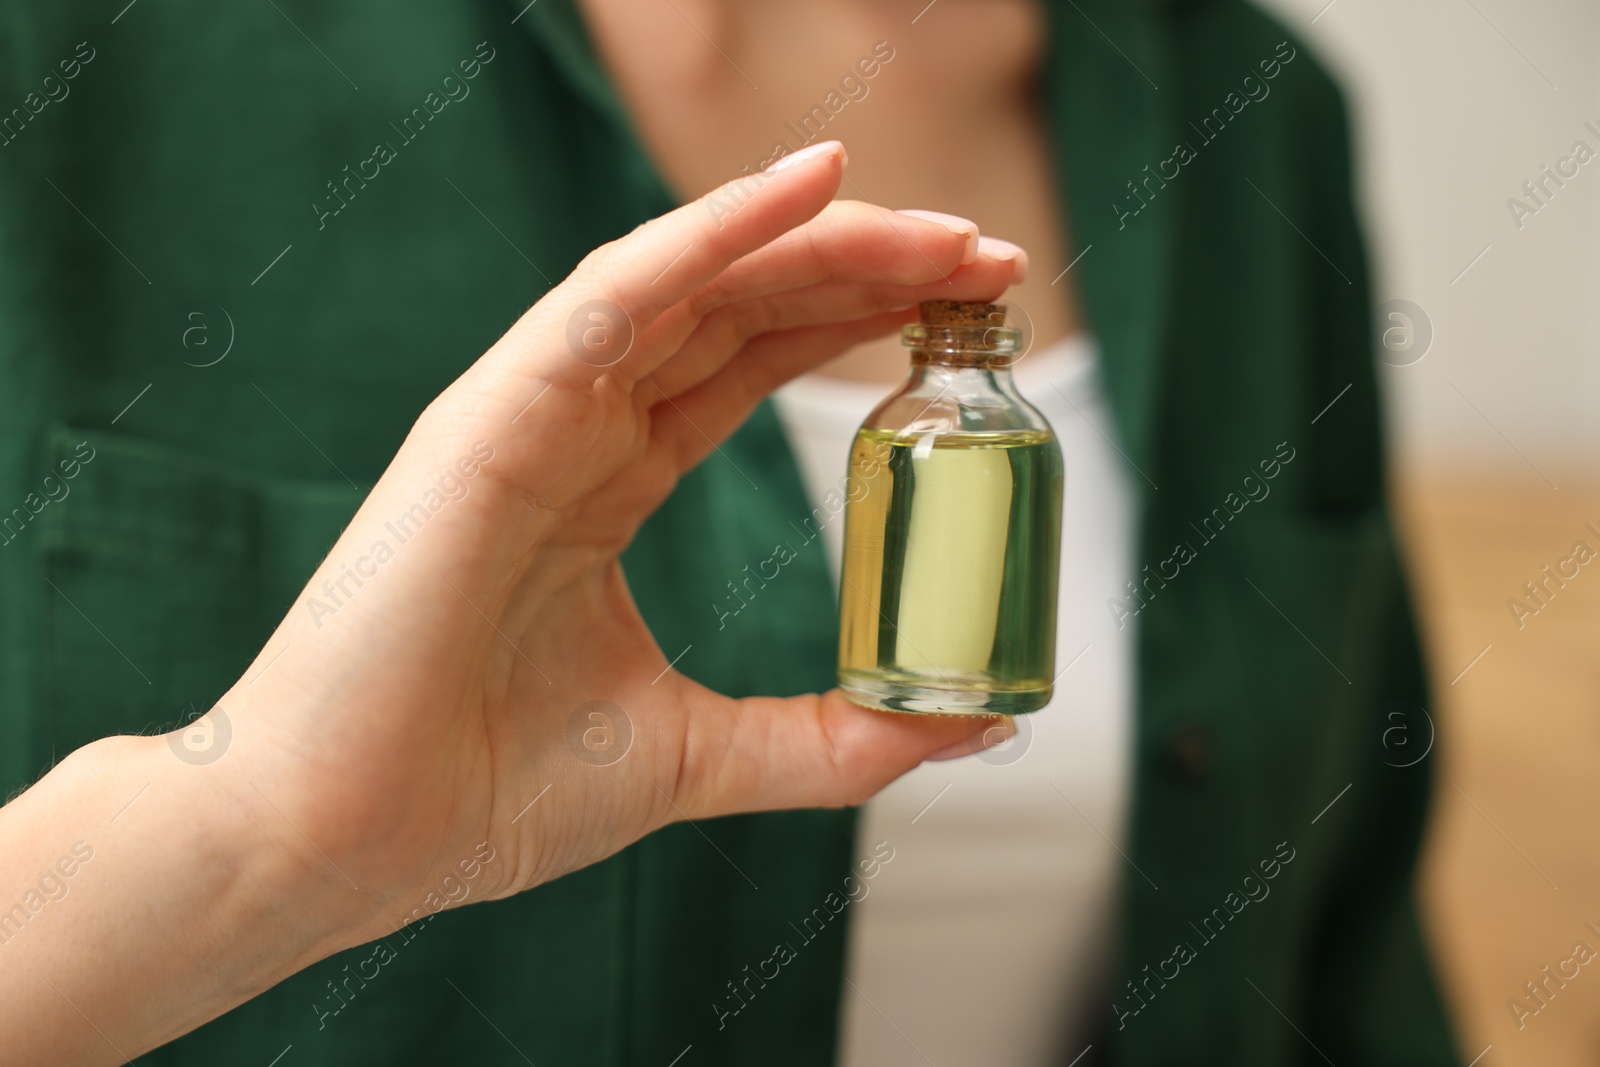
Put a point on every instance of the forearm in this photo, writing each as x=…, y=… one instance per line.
x=141, y=896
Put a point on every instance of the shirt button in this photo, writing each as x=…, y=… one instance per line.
x=1189, y=754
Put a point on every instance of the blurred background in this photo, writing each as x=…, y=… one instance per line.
x=1495, y=425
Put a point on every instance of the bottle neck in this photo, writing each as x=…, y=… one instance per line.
x=955, y=360
x=982, y=373
x=959, y=382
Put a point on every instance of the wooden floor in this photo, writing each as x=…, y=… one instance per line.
x=1511, y=873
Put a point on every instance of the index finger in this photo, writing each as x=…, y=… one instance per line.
x=665, y=260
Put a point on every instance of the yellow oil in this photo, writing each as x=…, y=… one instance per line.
x=948, y=588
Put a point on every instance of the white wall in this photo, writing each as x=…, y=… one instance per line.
x=1457, y=103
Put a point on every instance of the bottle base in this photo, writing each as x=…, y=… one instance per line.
x=918, y=697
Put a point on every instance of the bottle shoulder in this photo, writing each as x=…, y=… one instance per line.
x=958, y=400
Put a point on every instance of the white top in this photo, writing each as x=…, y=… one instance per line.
x=984, y=937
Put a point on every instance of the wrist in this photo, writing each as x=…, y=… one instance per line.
x=248, y=820
x=251, y=890
x=166, y=870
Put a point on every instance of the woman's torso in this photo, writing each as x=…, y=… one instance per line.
x=938, y=113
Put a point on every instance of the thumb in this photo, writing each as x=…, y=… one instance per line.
x=765, y=753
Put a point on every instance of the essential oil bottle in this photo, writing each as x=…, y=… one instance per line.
x=953, y=531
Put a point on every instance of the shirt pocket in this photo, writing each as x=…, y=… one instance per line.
x=166, y=572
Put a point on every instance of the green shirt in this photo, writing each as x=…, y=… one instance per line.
x=240, y=253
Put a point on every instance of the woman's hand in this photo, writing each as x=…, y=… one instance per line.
x=416, y=700
x=421, y=717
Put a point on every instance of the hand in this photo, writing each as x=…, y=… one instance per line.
x=415, y=700
x=423, y=715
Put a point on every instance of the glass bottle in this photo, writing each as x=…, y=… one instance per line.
x=952, y=531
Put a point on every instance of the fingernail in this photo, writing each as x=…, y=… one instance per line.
x=811, y=152
x=995, y=248
x=1000, y=729
x=953, y=223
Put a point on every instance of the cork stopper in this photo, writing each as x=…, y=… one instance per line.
x=960, y=334
x=947, y=313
